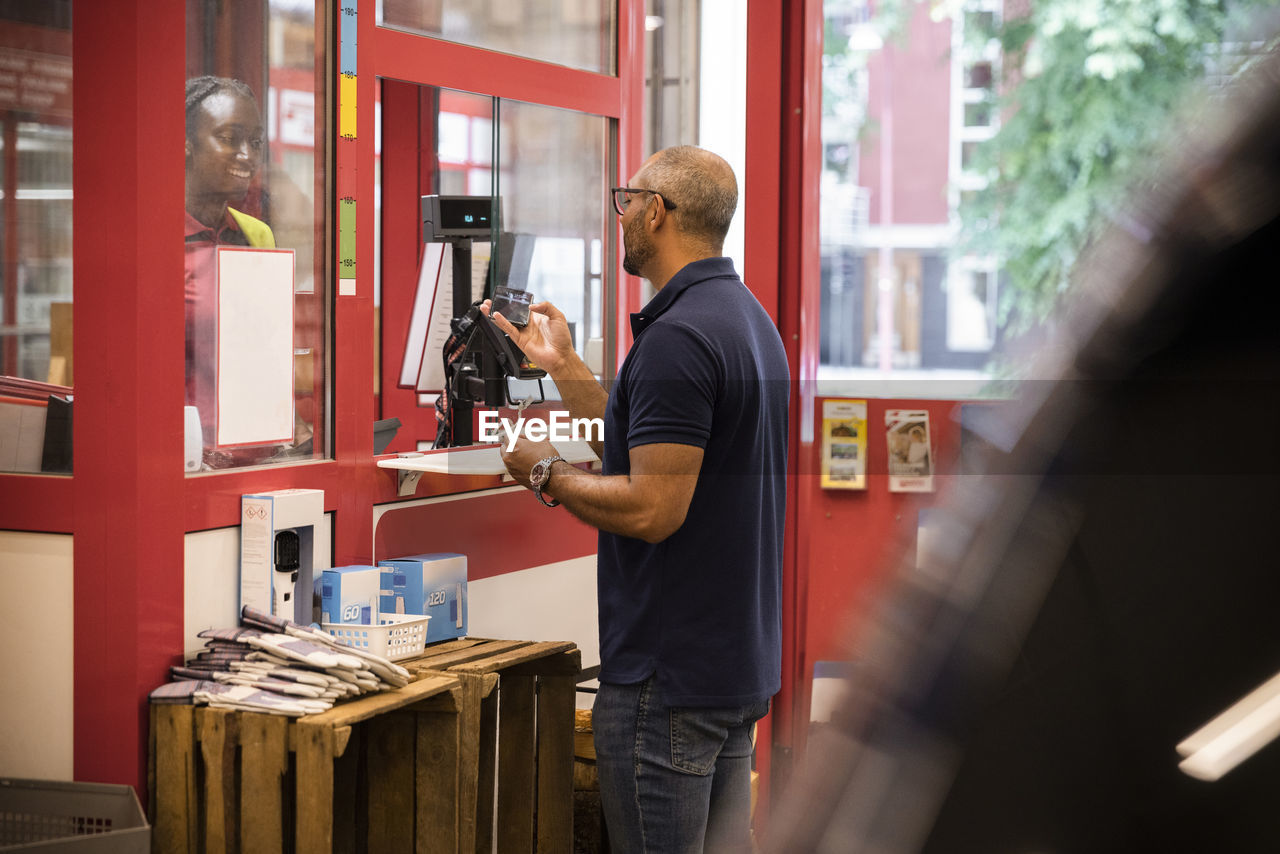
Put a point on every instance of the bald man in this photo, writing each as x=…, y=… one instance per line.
x=689, y=503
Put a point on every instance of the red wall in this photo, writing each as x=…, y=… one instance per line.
x=499, y=532
x=851, y=538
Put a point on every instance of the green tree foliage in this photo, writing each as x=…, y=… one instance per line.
x=1088, y=91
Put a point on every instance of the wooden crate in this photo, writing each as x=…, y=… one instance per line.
x=516, y=754
x=585, y=777
x=379, y=773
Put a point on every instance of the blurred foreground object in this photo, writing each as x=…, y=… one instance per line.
x=1109, y=583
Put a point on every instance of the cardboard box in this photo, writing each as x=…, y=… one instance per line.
x=434, y=583
x=263, y=517
x=349, y=594
x=21, y=433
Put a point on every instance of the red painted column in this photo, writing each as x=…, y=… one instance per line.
x=353, y=344
x=801, y=158
x=9, y=361
x=762, y=184
x=401, y=253
x=128, y=177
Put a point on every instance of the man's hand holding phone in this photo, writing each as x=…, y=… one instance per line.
x=545, y=339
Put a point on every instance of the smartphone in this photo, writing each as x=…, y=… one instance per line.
x=513, y=305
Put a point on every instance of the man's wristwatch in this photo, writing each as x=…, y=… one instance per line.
x=540, y=474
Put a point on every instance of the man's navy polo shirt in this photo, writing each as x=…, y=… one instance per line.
x=702, y=608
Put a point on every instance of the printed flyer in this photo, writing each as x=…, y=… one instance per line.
x=910, y=450
x=844, y=444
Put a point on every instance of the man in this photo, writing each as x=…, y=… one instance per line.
x=690, y=507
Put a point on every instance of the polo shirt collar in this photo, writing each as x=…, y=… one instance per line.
x=688, y=276
x=194, y=226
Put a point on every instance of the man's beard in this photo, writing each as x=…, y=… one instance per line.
x=637, y=250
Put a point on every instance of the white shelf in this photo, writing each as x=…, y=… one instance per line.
x=484, y=459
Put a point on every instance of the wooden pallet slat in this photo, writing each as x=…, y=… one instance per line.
x=174, y=828
x=392, y=784
x=555, y=762
x=436, y=781
x=264, y=749
x=474, y=690
x=449, y=661
x=451, y=646
x=347, y=798
x=504, y=660
x=372, y=705
x=315, y=764
x=517, y=696
x=556, y=662
x=486, y=752
x=218, y=733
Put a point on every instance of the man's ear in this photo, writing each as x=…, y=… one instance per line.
x=659, y=212
x=188, y=145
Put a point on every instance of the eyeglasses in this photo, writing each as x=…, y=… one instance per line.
x=622, y=198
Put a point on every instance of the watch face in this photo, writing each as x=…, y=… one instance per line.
x=538, y=475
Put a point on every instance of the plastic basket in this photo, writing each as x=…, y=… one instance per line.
x=397, y=636
x=82, y=818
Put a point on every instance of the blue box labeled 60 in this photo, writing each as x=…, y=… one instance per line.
x=349, y=594
x=431, y=584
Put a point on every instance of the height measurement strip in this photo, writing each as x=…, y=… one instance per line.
x=347, y=153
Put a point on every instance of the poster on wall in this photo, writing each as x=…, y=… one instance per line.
x=910, y=450
x=844, y=444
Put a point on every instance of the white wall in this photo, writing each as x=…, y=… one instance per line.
x=37, y=612
x=211, y=585
x=555, y=602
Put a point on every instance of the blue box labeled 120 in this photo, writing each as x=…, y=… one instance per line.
x=432, y=584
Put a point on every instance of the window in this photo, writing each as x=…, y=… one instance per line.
x=979, y=75
x=547, y=167
x=971, y=307
x=892, y=309
x=257, y=376
x=978, y=114
x=36, y=369
x=695, y=90
x=672, y=63
x=575, y=33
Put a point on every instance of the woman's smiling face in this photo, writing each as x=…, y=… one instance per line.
x=224, y=151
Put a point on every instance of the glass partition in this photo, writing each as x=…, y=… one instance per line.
x=552, y=182
x=972, y=155
x=36, y=369
x=542, y=171
x=256, y=215
x=695, y=72
x=578, y=34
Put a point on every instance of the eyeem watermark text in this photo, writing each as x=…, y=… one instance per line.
x=560, y=428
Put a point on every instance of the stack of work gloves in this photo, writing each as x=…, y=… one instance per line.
x=277, y=666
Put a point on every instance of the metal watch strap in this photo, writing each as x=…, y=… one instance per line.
x=537, y=487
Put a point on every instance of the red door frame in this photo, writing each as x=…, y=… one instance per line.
x=124, y=505
x=783, y=158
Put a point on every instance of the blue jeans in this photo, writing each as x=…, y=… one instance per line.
x=673, y=780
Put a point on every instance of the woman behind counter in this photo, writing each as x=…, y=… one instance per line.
x=224, y=149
